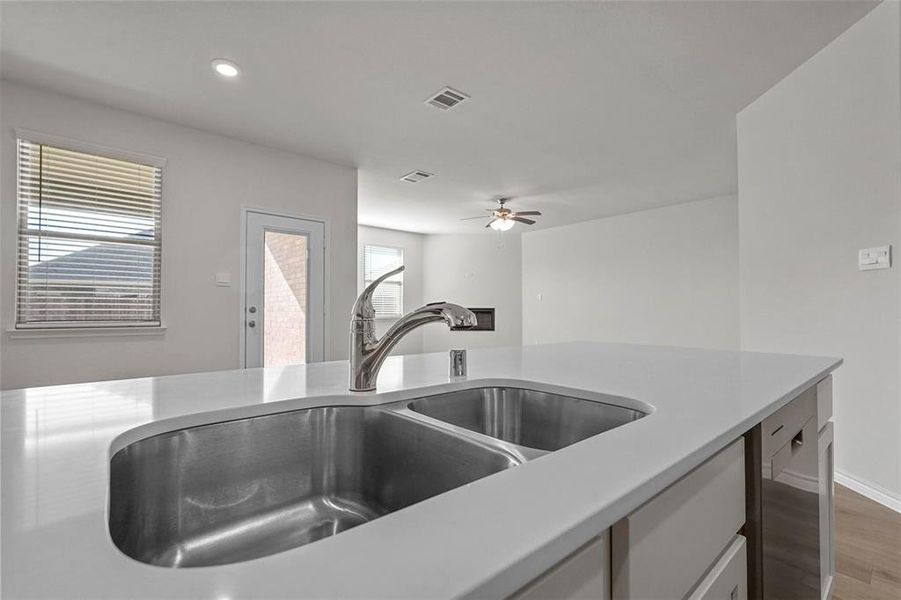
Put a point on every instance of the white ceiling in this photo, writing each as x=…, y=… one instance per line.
x=579, y=110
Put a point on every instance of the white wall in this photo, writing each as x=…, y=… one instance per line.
x=819, y=157
x=664, y=276
x=477, y=270
x=411, y=243
x=207, y=179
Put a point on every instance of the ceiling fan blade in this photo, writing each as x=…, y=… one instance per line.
x=527, y=213
x=479, y=217
x=521, y=220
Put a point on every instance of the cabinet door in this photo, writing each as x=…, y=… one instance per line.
x=664, y=548
x=728, y=578
x=583, y=575
x=827, y=509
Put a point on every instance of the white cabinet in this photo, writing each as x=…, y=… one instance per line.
x=824, y=402
x=663, y=549
x=826, y=443
x=683, y=539
x=728, y=578
x=583, y=575
x=686, y=542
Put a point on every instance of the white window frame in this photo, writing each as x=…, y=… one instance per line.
x=366, y=282
x=86, y=328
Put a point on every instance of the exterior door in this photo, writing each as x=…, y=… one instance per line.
x=284, y=290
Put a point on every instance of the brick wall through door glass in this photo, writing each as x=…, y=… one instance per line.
x=284, y=299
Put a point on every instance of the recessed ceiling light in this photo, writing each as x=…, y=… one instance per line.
x=226, y=68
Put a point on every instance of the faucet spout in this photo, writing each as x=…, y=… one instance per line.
x=367, y=353
x=455, y=316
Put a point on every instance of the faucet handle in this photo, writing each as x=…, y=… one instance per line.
x=363, y=306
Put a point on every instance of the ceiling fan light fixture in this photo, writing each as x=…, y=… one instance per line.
x=502, y=224
x=503, y=219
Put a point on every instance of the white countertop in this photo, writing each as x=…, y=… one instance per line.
x=484, y=539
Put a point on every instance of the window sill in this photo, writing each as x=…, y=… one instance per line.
x=84, y=332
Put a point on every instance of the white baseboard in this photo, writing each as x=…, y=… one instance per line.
x=870, y=490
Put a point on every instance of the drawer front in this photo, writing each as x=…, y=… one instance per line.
x=824, y=401
x=779, y=428
x=664, y=548
x=728, y=578
x=583, y=575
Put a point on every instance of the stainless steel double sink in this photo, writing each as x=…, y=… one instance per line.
x=242, y=489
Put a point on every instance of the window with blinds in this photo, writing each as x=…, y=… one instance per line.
x=88, y=240
x=388, y=299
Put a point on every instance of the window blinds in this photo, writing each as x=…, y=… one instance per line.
x=388, y=297
x=88, y=239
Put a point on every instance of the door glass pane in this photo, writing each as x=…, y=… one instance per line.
x=284, y=299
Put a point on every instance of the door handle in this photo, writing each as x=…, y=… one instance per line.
x=251, y=323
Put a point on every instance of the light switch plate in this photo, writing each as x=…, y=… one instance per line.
x=223, y=279
x=869, y=259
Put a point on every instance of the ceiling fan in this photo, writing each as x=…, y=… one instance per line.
x=503, y=219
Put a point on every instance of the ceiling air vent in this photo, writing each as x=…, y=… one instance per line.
x=447, y=98
x=416, y=176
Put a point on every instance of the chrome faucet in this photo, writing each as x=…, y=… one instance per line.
x=367, y=353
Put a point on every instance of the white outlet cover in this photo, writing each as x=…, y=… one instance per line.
x=870, y=259
x=223, y=279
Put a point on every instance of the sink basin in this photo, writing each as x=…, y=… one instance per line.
x=243, y=489
x=525, y=417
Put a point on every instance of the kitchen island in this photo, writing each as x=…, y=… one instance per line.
x=489, y=538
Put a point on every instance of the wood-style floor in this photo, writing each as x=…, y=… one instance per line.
x=867, y=549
